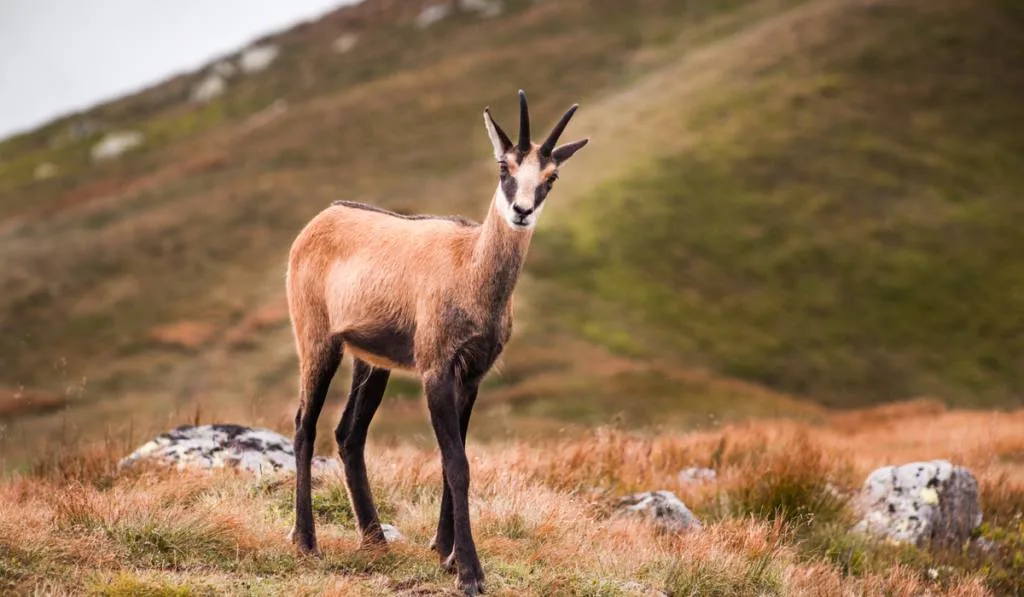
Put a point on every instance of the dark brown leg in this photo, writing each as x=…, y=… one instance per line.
x=318, y=366
x=443, y=541
x=368, y=386
x=444, y=416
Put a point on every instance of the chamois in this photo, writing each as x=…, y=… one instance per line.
x=429, y=294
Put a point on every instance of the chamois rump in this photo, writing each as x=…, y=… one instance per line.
x=429, y=294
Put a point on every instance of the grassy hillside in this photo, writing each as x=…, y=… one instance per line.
x=543, y=518
x=844, y=220
x=785, y=204
x=142, y=290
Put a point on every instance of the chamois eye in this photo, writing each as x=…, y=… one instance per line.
x=503, y=169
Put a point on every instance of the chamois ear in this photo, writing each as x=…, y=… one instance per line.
x=564, y=152
x=499, y=140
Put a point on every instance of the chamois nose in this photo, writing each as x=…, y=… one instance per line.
x=521, y=211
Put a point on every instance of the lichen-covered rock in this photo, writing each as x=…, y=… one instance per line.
x=254, y=450
x=662, y=508
x=922, y=503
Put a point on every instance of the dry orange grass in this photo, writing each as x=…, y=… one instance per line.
x=541, y=516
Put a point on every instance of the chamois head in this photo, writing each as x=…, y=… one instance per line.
x=527, y=170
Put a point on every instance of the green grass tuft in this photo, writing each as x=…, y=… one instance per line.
x=174, y=544
x=127, y=585
x=759, y=575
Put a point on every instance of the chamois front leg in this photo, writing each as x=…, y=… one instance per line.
x=444, y=416
x=443, y=541
x=317, y=367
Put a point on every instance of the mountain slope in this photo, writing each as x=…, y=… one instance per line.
x=822, y=153
x=844, y=221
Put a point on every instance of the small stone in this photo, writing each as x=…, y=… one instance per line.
x=224, y=69
x=432, y=14
x=257, y=58
x=207, y=89
x=114, y=144
x=696, y=474
x=391, y=533
x=345, y=42
x=662, y=508
x=633, y=587
x=986, y=545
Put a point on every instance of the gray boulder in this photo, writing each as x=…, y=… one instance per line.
x=253, y=450
x=931, y=503
x=662, y=508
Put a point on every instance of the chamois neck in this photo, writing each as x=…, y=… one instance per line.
x=498, y=257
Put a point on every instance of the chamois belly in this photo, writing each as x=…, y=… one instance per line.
x=389, y=347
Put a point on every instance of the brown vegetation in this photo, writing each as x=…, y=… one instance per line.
x=183, y=334
x=773, y=524
x=25, y=401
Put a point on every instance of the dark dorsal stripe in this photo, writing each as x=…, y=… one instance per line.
x=363, y=206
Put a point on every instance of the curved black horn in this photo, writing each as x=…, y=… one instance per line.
x=524, y=123
x=549, y=144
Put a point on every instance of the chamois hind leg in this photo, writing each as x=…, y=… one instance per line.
x=444, y=538
x=368, y=384
x=319, y=361
x=444, y=416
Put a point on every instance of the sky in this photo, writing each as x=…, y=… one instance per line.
x=60, y=56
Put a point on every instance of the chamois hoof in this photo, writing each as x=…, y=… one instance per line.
x=473, y=586
x=449, y=564
x=306, y=546
x=373, y=542
x=309, y=550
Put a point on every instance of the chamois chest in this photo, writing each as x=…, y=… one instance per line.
x=473, y=341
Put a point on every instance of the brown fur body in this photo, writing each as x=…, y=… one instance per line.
x=361, y=274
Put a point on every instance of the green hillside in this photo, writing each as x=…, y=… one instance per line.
x=785, y=204
x=846, y=220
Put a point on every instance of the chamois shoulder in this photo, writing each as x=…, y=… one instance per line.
x=461, y=221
